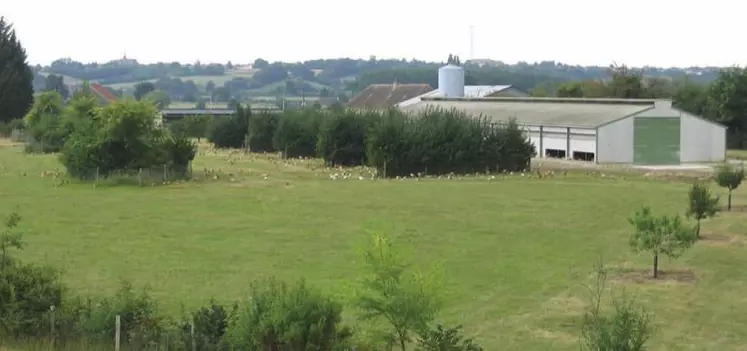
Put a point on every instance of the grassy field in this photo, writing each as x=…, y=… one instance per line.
x=737, y=154
x=514, y=250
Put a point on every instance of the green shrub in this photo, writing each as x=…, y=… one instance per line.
x=261, y=132
x=288, y=317
x=123, y=137
x=140, y=322
x=26, y=292
x=439, y=141
x=627, y=327
x=446, y=339
x=210, y=326
x=48, y=102
x=227, y=133
x=230, y=132
x=46, y=136
x=342, y=138
x=43, y=124
x=296, y=132
x=192, y=126
x=83, y=154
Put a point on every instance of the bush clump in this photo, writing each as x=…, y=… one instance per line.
x=261, y=132
x=279, y=316
x=26, y=291
x=342, y=138
x=295, y=134
x=124, y=137
x=230, y=132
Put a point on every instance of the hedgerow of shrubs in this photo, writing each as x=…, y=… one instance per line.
x=342, y=138
x=435, y=141
x=295, y=133
x=230, y=132
x=261, y=132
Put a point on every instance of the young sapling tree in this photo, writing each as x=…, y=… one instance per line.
x=628, y=327
x=729, y=177
x=702, y=204
x=660, y=235
x=406, y=302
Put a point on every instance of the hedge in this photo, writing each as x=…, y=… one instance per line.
x=432, y=142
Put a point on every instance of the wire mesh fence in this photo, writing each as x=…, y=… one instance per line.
x=150, y=176
x=34, y=146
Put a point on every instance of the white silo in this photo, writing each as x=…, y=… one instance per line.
x=451, y=81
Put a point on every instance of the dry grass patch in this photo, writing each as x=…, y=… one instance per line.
x=721, y=240
x=643, y=276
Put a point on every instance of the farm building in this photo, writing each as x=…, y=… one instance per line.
x=645, y=132
x=636, y=131
x=387, y=95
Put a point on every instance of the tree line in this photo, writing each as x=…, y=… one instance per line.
x=129, y=70
x=396, y=144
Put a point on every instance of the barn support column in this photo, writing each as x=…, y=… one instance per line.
x=541, y=148
x=568, y=143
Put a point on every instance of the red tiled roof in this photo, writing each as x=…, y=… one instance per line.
x=387, y=95
x=103, y=92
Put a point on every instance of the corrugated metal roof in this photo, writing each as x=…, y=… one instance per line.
x=103, y=92
x=470, y=91
x=387, y=95
x=546, y=112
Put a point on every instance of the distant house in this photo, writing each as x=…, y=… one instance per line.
x=387, y=95
x=103, y=93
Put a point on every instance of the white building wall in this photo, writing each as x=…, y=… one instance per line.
x=560, y=138
x=615, y=142
x=701, y=140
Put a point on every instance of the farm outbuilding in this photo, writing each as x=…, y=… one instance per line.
x=634, y=131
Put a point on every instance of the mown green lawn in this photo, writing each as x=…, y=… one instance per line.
x=513, y=252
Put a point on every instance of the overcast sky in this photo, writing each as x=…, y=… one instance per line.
x=643, y=32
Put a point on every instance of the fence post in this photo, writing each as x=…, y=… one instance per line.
x=96, y=181
x=51, y=327
x=164, y=173
x=140, y=176
x=118, y=326
x=192, y=333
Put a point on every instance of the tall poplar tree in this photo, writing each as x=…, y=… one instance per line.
x=16, y=77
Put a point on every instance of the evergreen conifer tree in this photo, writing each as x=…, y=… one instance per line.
x=16, y=78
